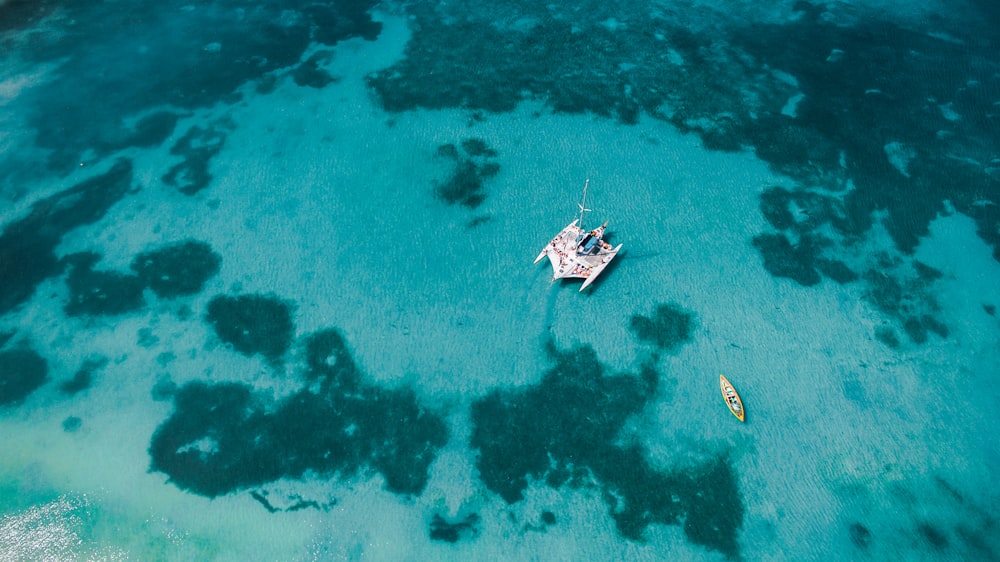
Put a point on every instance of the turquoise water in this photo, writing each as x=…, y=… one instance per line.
x=266, y=289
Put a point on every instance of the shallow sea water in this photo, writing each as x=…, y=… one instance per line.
x=266, y=289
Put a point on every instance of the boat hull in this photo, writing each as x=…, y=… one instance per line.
x=569, y=262
x=733, y=401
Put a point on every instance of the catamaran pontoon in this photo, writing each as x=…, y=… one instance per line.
x=574, y=252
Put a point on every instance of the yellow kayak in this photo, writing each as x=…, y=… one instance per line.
x=732, y=398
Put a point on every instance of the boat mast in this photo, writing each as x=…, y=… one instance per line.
x=582, y=204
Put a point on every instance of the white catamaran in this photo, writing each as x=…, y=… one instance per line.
x=574, y=252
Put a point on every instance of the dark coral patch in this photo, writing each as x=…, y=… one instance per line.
x=478, y=147
x=146, y=338
x=788, y=145
x=441, y=530
x=565, y=431
x=711, y=498
x=448, y=150
x=925, y=272
x=100, y=293
x=705, y=499
x=852, y=117
x=21, y=372
x=329, y=360
x=915, y=329
x=207, y=445
x=576, y=66
x=335, y=22
x=979, y=541
x=197, y=148
x=72, y=424
x=668, y=329
x=888, y=336
x=222, y=438
x=253, y=324
x=177, y=269
x=802, y=212
x=774, y=206
x=933, y=535
x=403, y=436
x=289, y=503
x=836, y=270
x=152, y=129
x=463, y=187
x=13, y=14
x=904, y=295
x=311, y=73
x=190, y=57
x=261, y=498
x=782, y=259
x=866, y=92
x=163, y=390
x=84, y=376
x=574, y=413
x=27, y=247
x=884, y=291
x=861, y=537
x=23, y=265
x=473, y=165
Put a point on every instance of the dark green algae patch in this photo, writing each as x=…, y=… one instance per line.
x=222, y=438
x=565, y=431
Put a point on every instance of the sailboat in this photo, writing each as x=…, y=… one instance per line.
x=575, y=252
